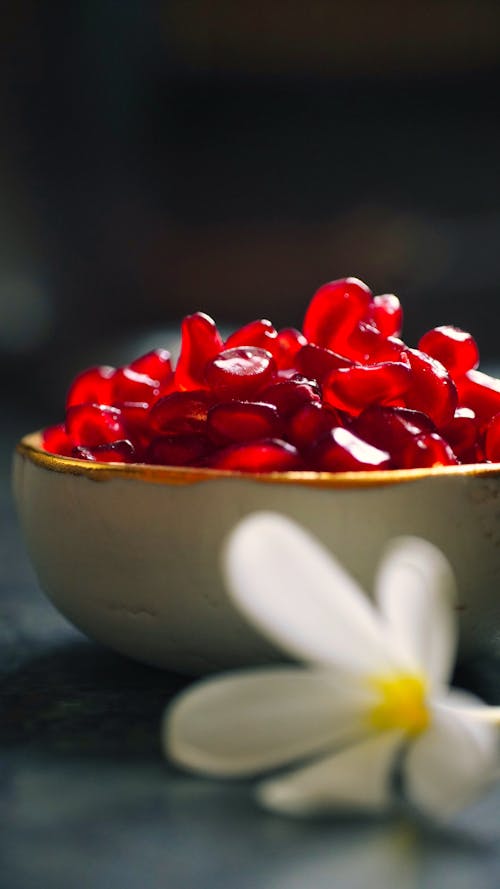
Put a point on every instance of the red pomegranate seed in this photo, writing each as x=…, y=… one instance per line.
x=316, y=363
x=342, y=451
x=481, y=393
x=258, y=333
x=354, y=388
x=129, y=385
x=288, y=343
x=461, y=433
x=181, y=412
x=136, y=421
x=454, y=348
x=94, y=424
x=178, y=450
x=367, y=345
x=288, y=395
x=492, y=439
x=427, y=450
x=432, y=390
x=391, y=428
x=334, y=311
x=386, y=314
x=56, y=440
x=200, y=342
x=121, y=451
x=237, y=421
x=311, y=422
x=155, y=364
x=264, y=455
x=240, y=372
x=92, y=386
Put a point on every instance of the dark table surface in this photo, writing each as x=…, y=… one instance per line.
x=86, y=799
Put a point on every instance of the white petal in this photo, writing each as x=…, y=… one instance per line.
x=299, y=596
x=357, y=777
x=451, y=763
x=243, y=723
x=415, y=589
x=468, y=705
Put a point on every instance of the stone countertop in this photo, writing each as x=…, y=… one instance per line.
x=86, y=799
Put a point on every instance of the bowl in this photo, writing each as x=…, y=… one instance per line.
x=131, y=553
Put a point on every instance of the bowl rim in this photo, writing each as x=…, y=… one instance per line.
x=30, y=447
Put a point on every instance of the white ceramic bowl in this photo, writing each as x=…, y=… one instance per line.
x=130, y=554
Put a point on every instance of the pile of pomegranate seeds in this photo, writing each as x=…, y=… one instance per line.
x=344, y=394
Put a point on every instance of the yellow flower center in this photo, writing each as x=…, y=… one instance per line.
x=401, y=705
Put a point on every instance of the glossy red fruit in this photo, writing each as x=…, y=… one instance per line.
x=311, y=422
x=334, y=311
x=258, y=333
x=368, y=346
x=342, y=451
x=264, y=455
x=200, y=342
x=94, y=424
x=454, y=348
x=236, y=421
x=462, y=435
x=155, y=364
x=55, y=440
x=386, y=314
x=288, y=395
x=391, y=428
x=492, y=439
x=316, y=362
x=481, y=393
x=432, y=390
x=240, y=372
x=288, y=343
x=130, y=385
x=181, y=412
x=135, y=417
x=178, y=450
x=121, y=451
x=92, y=386
x=427, y=450
x=354, y=388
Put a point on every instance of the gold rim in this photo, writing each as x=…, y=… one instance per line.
x=30, y=448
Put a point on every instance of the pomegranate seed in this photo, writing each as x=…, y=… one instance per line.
x=258, y=333
x=427, y=450
x=391, y=428
x=288, y=343
x=240, y=372
x=56, y=440
x=237, y=421
x=155, y=364
x=461, y=433
x=342, y=451
x=121, y=451
x=181, y=412
x=334, y=311
x=386, y=314
x=353, y=388
x=311, y=422
x=432, y=390
x=264, y=455
x=92, y=386
x=454, y=348
x=492, y=439
x=129, y=385
x=94, y=424
x=481, y=393
x=200, y=342
x=288, y=395
x=367, y=345
x=136, y=421
x=316, y=363
x=178, y=450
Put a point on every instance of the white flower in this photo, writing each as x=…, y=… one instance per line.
x=374, y=694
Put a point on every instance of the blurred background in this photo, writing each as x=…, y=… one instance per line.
x=162, y=157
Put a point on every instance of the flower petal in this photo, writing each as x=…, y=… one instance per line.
x=451, y=763
x=243, y=723
x=357, y=777
x=299, y=596
x=415, y=589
